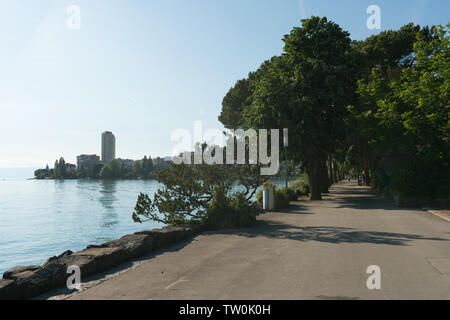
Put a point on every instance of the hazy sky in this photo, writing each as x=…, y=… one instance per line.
x=142, y=69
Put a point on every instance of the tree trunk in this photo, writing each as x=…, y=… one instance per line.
x=314, y=178
x=324, y=180
x=330, y=170
x=335, y=173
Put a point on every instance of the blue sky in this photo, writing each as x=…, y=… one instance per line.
x=142, y=69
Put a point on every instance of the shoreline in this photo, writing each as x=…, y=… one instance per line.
x=93, y=179
x=25, y=282
x=101, y=208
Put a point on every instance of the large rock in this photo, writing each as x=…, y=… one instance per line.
x=19, y=272
x=49, y=276
x=133, y=245
x=94, y=260
x=64, y=254
x=8, y=290
x=53, y=274
x=169, y=235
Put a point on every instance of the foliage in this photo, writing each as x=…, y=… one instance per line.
x=44, y=173
x=143, y=169
x=300, y=186
x=146, y=168
x=306, y=89
x=233, y=103
x=406, y=120
x=377, y=107
x=283, y=197
x=61, y=170
x=202, y=193
x=233, y=211
x=111, y=170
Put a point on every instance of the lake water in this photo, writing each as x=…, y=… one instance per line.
x=43, y=218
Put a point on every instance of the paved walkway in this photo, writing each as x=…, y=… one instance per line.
x=313, y=250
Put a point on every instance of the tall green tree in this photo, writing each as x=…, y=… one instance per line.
x=137, y=169
x=111, y=170
x=56, y=169
x=148, y=168
x=233, y=104
x=239, y=97
x=307, y=90
x=62, y=168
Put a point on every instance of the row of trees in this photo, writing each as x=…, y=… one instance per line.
x=378, y=106
x=143, y=169
x=401, y=115
x=61, y=170
x=115, y=170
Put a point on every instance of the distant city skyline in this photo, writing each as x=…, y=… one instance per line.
x=107, y=154
x=143, y=69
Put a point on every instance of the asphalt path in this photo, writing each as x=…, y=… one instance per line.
x=312, y=250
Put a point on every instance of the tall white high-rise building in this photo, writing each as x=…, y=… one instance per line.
x=108, y=147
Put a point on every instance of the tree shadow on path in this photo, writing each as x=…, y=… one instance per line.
x=353, y=196
x=328, y=234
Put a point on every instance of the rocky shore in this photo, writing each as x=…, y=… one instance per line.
x=29, y=281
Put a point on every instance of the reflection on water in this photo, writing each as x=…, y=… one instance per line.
x=59, y=195
x=107, y=199
x=108, y=189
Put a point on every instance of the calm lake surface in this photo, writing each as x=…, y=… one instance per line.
x=43, y=218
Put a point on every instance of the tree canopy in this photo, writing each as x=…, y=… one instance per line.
x=376, y=107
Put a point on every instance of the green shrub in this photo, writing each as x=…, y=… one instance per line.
x=282, y=198
x=259, y=196
x=244, y=212
x=300, y=186
x=230, y=212
x=202, y=193
x=291, y=194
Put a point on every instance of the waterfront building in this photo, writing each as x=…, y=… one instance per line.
x=161, y=163
x=127, y=163
x=157, y=161
x=87, y=161
x=108, y=147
